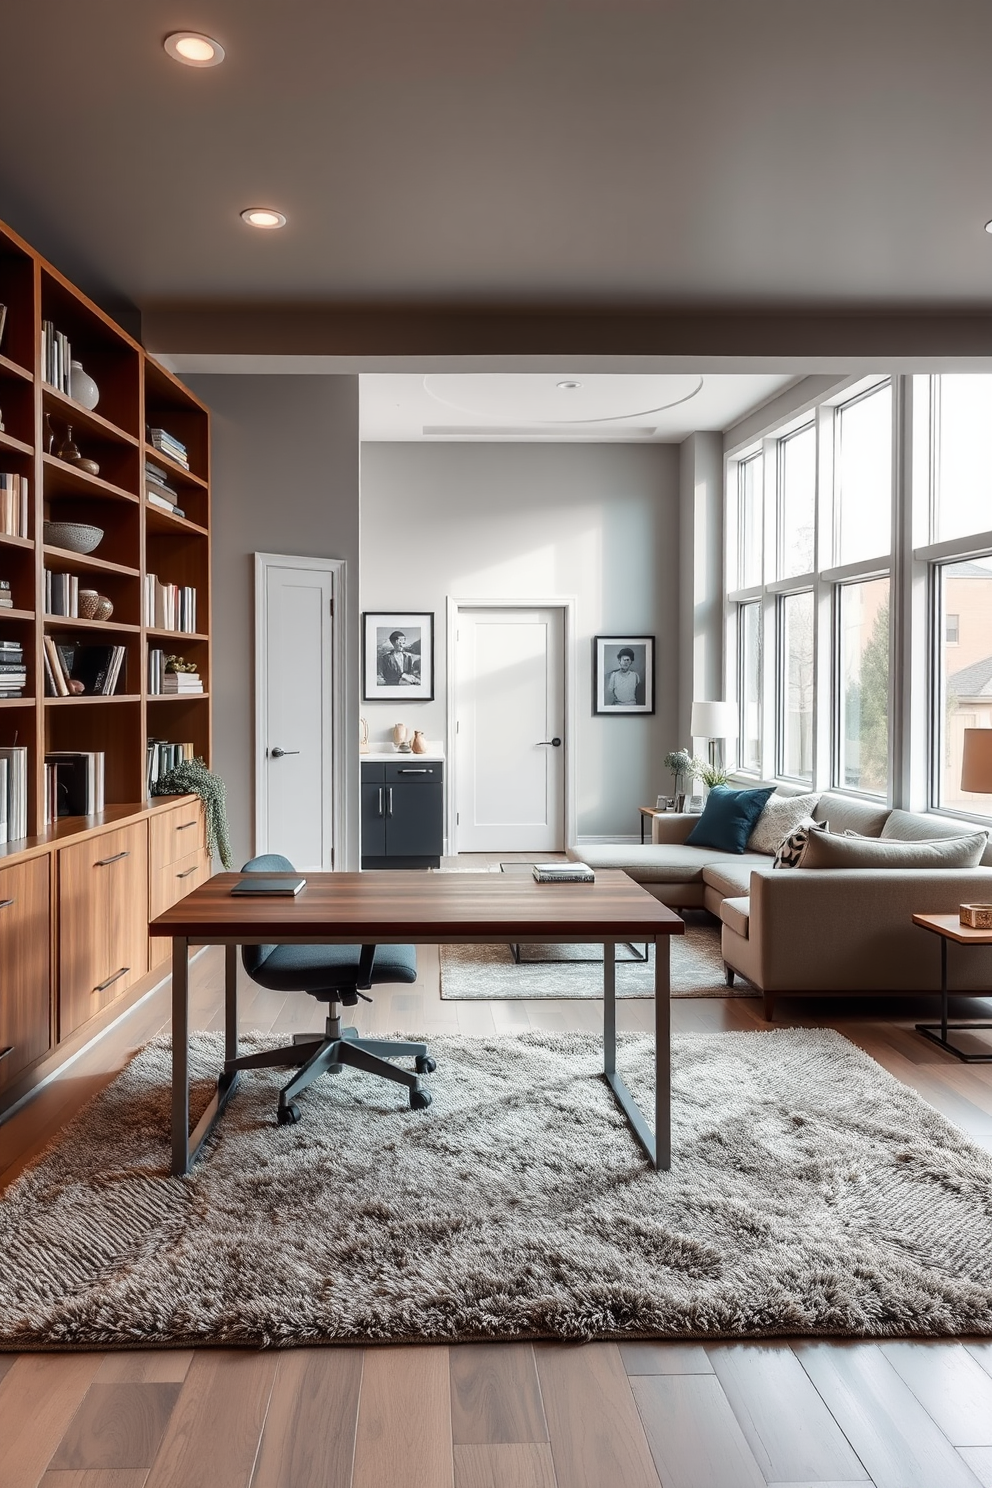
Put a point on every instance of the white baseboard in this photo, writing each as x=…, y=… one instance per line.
x=620, y=840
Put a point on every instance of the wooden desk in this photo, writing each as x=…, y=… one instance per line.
x=949, y=927
x=420, y=909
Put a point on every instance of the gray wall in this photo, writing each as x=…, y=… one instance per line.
x=597, y=522
x=285, y=480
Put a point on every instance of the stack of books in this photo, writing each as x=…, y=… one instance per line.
x=13, y=504
x=13, y=672
x=96, y=668
x=6, y=598
x=61, y=594
x=170, y=684
x=158, y=491
x=13, y=793
x=167, y=444
x=169, y=606
x=74, y=783
x=163, y=757
x=563, y=873
x=56, y=355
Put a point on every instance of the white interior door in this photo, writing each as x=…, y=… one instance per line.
x=509, y=707
x=294, y=634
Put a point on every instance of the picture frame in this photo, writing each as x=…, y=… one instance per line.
x=397, y=656
x=623, y=674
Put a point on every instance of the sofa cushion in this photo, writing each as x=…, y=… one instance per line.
x=915, y=826
x=792, y=851
x=826, y=850
x=728, y=818
x=736, y=914
x=780, y=817
x=732, y=876
x=657, y=862
x=848, y=813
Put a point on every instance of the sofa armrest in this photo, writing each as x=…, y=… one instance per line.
x=672, y=826
x=851, y=929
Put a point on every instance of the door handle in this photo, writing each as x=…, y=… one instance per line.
x=381, y=796
x=278, y=753
x=389, y=800
x=555, y=742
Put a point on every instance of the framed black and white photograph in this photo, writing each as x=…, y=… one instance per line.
x=398, y=656
x=623, y=674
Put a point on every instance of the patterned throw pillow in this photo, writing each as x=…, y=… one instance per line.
x=792, y=851
x=779, y=819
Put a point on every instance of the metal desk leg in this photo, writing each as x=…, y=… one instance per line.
x=230, y=1002
x=929, y=1030
x=943, y=989
x=180, y=1056
x=609, y=1011
x=663, y=1052
x=625, y=1099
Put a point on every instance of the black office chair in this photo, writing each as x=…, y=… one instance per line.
x=335, y=974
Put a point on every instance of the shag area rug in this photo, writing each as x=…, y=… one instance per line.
x=810, y=1194
x=471, y=973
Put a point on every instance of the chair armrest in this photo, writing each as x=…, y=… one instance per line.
x=672, y=826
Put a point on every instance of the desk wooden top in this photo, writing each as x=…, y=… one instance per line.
x=431, y=908
x=951, y=928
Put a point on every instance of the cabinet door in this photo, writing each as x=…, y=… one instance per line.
x=413, y=821
x=166, y=886
x=175, y=832
x=25, y=969
x=103, y=921
x=373, y=820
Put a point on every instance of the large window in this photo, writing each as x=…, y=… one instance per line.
x=796, y=685
x=797, y=503
x=864, y=476
x=863, y=691
x=751, y=521
x=963, y=450
x=749, y=680
x=964, y=597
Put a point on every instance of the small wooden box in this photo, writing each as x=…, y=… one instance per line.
x=977, y=916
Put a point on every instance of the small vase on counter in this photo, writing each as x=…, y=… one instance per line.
x=419, y=745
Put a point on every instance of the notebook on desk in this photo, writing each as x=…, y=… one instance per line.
x=258, y=884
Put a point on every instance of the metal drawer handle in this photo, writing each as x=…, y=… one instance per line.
x=183, y=825
x=423, y=770
x=389, y=800
x=5, y=1052
x=111, y=979
x=380, y=800
x=5, y=902
x=187, y=873
x=102, y=862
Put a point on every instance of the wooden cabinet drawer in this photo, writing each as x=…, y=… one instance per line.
x=103, y=921
x=166, y=886
x=25, y=969
x=175, y=833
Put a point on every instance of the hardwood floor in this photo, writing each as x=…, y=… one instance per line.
x=667, y=1415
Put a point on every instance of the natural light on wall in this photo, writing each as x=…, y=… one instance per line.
x=966, y=673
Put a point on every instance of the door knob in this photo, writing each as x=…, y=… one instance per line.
x=555, y=742
x=278, y=753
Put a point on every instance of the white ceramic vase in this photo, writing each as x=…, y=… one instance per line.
x=82, y=388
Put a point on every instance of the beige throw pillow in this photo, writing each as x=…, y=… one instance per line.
x=779, y=819
x=826, y=850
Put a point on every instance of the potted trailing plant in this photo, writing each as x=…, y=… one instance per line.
x=191, y=777
x=684, y=767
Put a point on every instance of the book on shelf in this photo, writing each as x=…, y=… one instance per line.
x=181, y=683
x=14, y=490
x=163, y=756
x=16, y=794
x=564, y=873
x=74, y=783
x=167, y=444
x=97, y=668
x=169, y=606
x=3, y=800
x=6, y=598
x=62, y=594
x=13, y=672
x=56, y=358
x=163, y=503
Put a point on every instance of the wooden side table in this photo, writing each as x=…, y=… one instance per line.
x=949, y=927
x=648, y=813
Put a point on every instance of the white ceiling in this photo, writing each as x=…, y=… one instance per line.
x=532, y=406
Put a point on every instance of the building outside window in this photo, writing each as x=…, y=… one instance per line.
x=965, y=686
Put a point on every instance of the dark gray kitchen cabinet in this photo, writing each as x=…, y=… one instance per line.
x=402, y=813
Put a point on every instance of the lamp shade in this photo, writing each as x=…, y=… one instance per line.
x=713, y=721
x=976, y=762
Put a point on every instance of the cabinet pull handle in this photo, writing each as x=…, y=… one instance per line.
x=103, y=862
x=422, y=770
x=389, y=800
x=183, y=825
x=5, y=1052
x=187, y=873
x=380, y=800
x=111, y=979
x=4, y=904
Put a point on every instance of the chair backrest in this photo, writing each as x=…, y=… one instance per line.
x=253, y=956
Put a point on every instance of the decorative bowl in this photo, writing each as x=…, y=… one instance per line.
x=75, y=537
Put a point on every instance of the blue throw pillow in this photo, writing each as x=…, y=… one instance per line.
x=727, y=819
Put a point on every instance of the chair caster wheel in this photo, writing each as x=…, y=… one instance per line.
x=288, y=1115
x=425, y=1064
x=419, y=1100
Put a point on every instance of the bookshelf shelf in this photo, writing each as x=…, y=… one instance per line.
x=86, y=701
x=86, y=419
x=175, y=635
x=84, y=561
x=176, y=697
x=13, y=369
x=184, y=476
x=108, y=627
x=157, y=520
x=62, y=479
x=8, y=442
x=16, y=614
x=8, y=541
x=21, y=702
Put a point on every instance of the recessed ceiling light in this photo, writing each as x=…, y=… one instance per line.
x=194, y=49
x=262, y=217
x=568, y=385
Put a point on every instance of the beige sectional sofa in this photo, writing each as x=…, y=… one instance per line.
x=797, y=931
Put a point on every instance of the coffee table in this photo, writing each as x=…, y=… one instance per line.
x=949, y=927
x=396, y=908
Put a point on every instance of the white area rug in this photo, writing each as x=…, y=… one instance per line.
x=810, y=1194
x=488, y=972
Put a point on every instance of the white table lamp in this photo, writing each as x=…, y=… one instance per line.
x=713, y=722
x=976, y=761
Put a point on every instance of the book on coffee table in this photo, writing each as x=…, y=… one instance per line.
x=563, y=873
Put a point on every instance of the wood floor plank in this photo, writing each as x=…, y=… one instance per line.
x=952, y=1387
x=495, y=1394
x=981, y=1349
x=117, y=1426
x=309, y=1433
x=213, y=1436
x=7, y=1361
x=38, y=1398
x=404, y=1420
x=596, y=1433
x=896, y=1441
x=505, y=1465
x=787, y=1426
x=665, y=1358
x=111, y=1477
x=145, y=1367
x=694, y=1437
x=979, y=1459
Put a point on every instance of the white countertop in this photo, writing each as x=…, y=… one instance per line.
x=379, y=756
